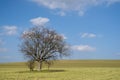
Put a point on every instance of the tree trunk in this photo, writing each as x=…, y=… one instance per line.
x=48, y=66
x=39, y=65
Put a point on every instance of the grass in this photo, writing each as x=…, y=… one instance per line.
x=64, y=70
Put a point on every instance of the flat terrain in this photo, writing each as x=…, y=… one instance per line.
x=64, y=70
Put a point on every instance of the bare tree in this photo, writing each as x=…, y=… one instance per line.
x=43, y=45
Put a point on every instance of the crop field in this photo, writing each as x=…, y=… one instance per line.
x=64, y=70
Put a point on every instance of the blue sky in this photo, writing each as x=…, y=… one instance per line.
x=91, y=27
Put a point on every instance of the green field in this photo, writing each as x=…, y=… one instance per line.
x=64, y=70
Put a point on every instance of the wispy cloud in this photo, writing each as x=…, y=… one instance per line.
x=83, y=48
x=112, y=1
x=39, y=21
x=1, y=42
x=79, y=6
x=118, y=54
x=10, y=30
x=61, y=13
x=5, y=57
x=88, y=35
x=3, y=49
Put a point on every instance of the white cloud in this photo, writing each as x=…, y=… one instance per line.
x=10, y=30
x=83, y=48
x=88, y=35
x=64, y=37
x=79, y=6
x=39, y=21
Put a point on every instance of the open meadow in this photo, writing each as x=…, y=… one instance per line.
x=64, y=70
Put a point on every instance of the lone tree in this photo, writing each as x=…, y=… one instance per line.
x=42, y=44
